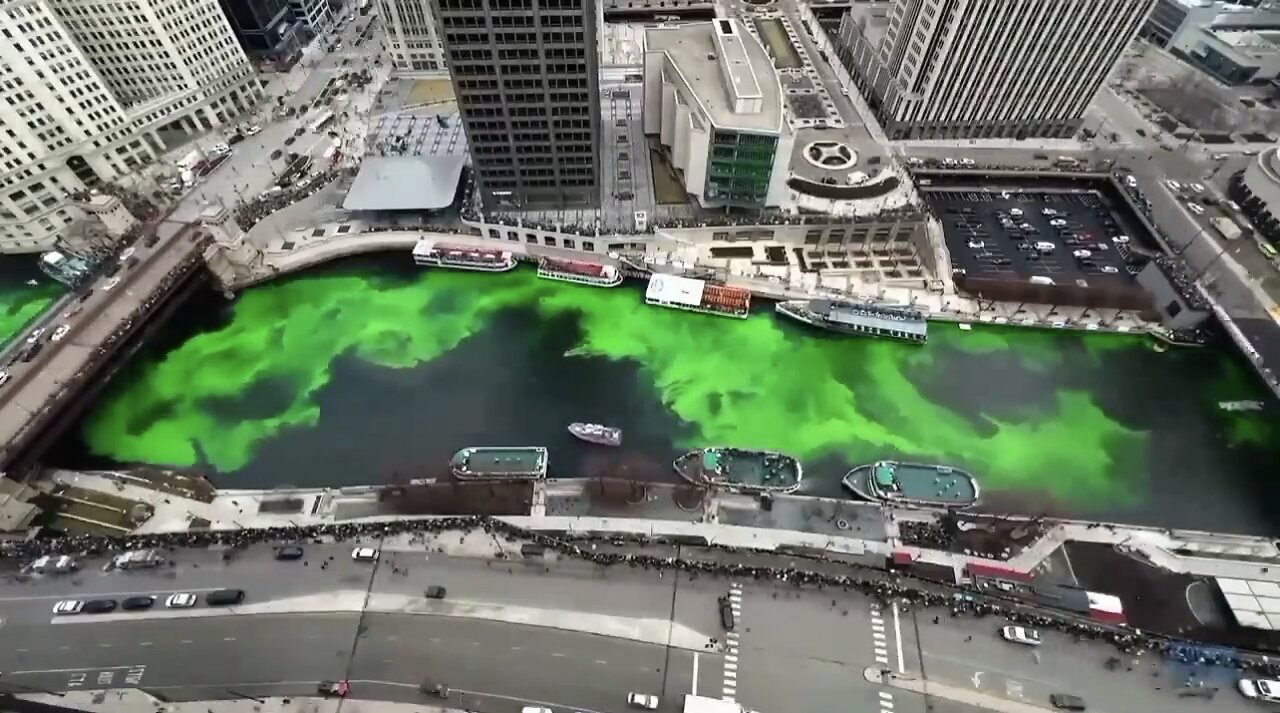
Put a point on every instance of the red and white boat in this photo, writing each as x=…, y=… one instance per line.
x=583, y=273
x=462, y=257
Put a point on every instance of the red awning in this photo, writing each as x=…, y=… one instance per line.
x=1106, y=608
x=987, y=569
x=904, y=558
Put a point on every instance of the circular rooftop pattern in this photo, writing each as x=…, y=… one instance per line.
x=831, y=155
x=758, y=3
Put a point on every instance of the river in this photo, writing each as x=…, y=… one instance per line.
x=372, y=370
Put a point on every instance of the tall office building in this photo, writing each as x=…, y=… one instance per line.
x=411, y=37
x=87, y=85
x=947, y=69
x=266, y=29
x=525, y=73
x=316, y=13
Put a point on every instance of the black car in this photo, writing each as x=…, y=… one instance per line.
x=234, y=139
x=726, y=614
x=224, y=597
x=137, y=603
x=99, y=606
x=289, y=552
x=277, y=154
x=1066, y=702
x=435, y=592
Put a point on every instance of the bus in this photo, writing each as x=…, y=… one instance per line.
x=325, y=118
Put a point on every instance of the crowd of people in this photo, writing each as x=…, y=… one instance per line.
x=628, y=551
x=251, y=212
x=1183, y=280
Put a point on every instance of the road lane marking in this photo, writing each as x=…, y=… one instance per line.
x=144, y=643
x=602, y=662
x=186, y=641
x=21, y=651
x=228, y=638
x=559, y=656
x=694, y=692
x=886, y=696
x=897, y=637
x=731, y=658
x=104, y=646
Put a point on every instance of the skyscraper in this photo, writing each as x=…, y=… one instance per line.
x=525, y=73
x=266, y=29
x=85, y=88
x=411, y=36
x=946, y=69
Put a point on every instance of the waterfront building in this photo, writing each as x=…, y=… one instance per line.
x=1233, y=43
x=950, y=69
x=411, y=36
x=713, y=101
x=1257, y=191
x=267, y=30
x=86, y=88
x=525, y=75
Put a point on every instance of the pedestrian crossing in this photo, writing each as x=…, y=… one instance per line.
x=880, y=642
x=730, y=687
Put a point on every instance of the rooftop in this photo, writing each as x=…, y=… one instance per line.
x=1249, y=41
x=725, y=71
x=412, y=163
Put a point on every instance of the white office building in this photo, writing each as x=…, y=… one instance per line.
x=86, y=87
x=411, y=37
x=713, y=98
x=315, y=13
x=948, y=69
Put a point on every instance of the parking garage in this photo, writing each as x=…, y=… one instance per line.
x=1059, y=237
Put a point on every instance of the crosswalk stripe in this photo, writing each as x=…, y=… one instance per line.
x=881, y=659
x=728, y=666
x=730, y=658
x=886, y=695
x=878, y=636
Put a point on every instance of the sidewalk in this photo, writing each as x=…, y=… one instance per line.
x=959, y=694
x=133, y=700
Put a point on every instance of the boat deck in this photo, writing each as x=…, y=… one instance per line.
x=753, y=472
x=924, y=483
x=487, y=461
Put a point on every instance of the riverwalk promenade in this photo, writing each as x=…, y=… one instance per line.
x=281, y=254
x=866, y=533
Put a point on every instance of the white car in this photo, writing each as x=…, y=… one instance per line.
x=364, y=554
x=59, y=333
x=4, y=378
x=1081, y=253
x=1120, y=240
x=127, y=253
x=535, y=709
x=181, y=600
x=1195, y=209
x=977, y=244
x=1021, y=634
x=642, y=700
x=252, y=130
x=1197, y=187
x=110, y=284
x=35, y=335
x=1173, y=185
x=1109, y=269
x=68, y=606
x=1057, y=222
x=968, y=162
x=1260, y=689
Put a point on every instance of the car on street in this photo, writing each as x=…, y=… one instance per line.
x=1197, y=187
x=364, y=554
x=1120, y=239
x=968, y=162
x=1194, y=208
x=1260, y=689
x=53, y=564
x=435, y=591
x=110, y=284
x=1001, y=261
x=35, y=335
x=333, y=689
x=138, y=603
x=647, y=701
x=181, y=600
x=1020, y=635
x=726, y=614
x=4, y=378
x=289, y=552
x=1066, y=702
x=224, y=597
x=1108, y=269
x=68, y=606
x=1081, y=253
x=1173, y=185
x=431, y=688
x=99, y=606
x=977, y=244
x=59, y=333
x=252, y=130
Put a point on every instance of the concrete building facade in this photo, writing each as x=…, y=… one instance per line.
x=85, y=89
x=411, y=36
x=948, y=69
x=525, y=74
x=316, y=13
x=1232, y=43
x=714, y=100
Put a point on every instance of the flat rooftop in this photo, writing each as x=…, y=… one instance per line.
x=693, y=51
x=411, y=162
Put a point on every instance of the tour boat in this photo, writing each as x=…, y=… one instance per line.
x=741, y=470
x=595, y=433
x=583, y=273
x=462, y=257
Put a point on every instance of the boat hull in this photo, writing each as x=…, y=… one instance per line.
x=500, y=463
x=611, y=437
x=816, y=321
x=861, y=481
x=507, y=266
x=789, y=472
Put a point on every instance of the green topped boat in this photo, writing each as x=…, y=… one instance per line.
x=500, y=463
x=741, y=470
x=913, y=484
